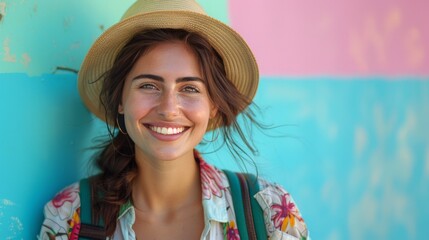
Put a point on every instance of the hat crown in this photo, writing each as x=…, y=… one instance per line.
x=148, y=6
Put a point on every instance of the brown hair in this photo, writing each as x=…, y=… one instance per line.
x=116, y=159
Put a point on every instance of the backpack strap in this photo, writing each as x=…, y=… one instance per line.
x=237, y=200
x=248, y=213
x=90, y=227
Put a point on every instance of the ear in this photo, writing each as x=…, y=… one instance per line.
x=120, y=109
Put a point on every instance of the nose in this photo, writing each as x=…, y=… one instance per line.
x=168, y=106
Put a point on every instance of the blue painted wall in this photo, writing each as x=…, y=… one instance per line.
x=355, y=155
x=353, y=152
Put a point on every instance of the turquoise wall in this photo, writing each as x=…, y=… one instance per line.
x=353, y=151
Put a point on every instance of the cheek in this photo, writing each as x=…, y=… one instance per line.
x=137, y=106
x=198, y=110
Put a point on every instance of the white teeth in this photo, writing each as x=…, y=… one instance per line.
x=167, y=131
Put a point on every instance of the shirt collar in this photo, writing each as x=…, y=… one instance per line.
x=125, y=208
x=213, y=185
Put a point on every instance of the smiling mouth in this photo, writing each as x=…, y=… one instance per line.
x=166, y=130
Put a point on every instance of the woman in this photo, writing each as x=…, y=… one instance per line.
x=162, y=77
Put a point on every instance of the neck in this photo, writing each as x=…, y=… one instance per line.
x=165, y=186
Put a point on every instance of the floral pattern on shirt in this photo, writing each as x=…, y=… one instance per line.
x=62, y=215
x=231, y=231
x=74, y=225
x=62, y=203
x=282, y=217
x=284, y=213
x=211, y=180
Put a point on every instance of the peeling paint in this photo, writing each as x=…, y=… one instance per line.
x=7, y=202
x=393, y=19
x=75, y=45
x=16, y=224
x=8, y=57
x=15, y=228
x=2, y=10
x=369, y=43
x=357, y=51
x=414, y=47
x=375, y=40
x=67, y=22
x=11, y=223
x=26, y=59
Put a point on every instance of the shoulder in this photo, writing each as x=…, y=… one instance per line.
x=62, y=214
x=283, y=219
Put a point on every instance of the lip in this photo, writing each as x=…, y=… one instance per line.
x=174, y=131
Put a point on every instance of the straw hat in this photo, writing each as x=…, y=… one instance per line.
x=240, y=64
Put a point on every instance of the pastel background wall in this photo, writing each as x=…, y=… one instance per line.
x=348, y=80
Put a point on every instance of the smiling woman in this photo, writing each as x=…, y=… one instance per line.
x=160, y=89
x=162, y=92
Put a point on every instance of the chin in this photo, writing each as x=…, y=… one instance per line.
x=170, y=154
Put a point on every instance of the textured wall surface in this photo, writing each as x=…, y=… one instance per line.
x=387, y=37
x=348, y=82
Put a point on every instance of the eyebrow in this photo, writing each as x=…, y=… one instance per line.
x=161, y=79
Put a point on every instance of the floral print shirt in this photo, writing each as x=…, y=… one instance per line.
x=282, y=217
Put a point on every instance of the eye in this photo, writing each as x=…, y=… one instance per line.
x=190, y=89
x=149, y=86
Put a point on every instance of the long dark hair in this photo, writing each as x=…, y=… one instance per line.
x=116, y=159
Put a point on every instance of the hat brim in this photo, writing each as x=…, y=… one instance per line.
x=240, y=65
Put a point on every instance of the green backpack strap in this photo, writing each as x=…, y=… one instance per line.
x=248, y=213
x=237, y=200
x=89, y=229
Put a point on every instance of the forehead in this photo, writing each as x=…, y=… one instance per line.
x=168, y=59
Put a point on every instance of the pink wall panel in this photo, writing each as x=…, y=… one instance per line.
x=354, y=37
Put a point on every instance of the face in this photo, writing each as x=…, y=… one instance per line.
x=165, y=103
